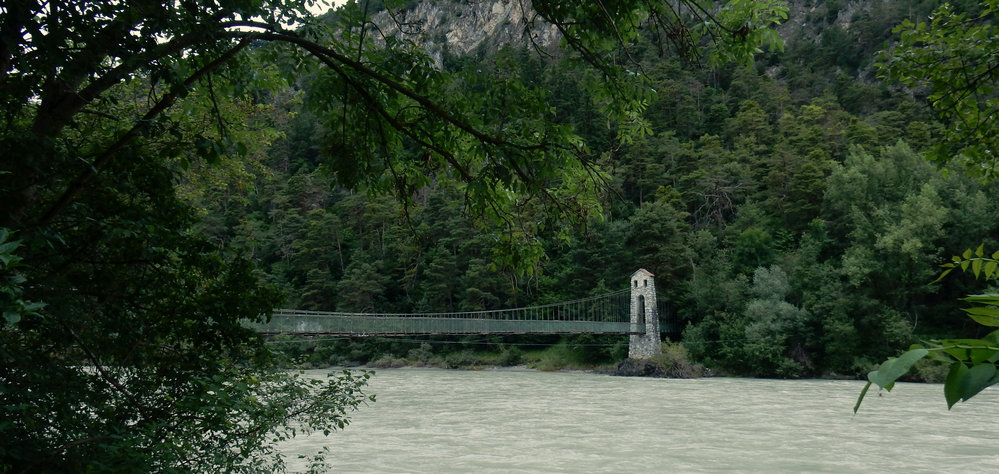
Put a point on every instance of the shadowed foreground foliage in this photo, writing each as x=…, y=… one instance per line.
x=121, y=346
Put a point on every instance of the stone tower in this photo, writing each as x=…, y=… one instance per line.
x=644, y=315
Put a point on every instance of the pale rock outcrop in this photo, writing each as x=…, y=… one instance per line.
x=462, y=27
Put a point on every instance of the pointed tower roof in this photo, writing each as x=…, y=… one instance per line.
x=643, y=271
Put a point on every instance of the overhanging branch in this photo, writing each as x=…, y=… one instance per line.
x=102, y=160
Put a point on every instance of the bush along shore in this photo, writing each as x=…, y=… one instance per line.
x=547, y=353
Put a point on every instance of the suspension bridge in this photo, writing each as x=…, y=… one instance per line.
x=633, y=311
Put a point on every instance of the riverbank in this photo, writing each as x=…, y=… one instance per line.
x=603, y=356
x=673, y=363
x=552, y=358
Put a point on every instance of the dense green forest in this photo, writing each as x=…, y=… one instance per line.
x=794, y=174
x=786, y=208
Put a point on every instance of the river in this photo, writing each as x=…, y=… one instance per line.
x=427, y=420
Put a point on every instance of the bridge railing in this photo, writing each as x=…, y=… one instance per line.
x=607, y=313
x=609, y=307
x=361, y=324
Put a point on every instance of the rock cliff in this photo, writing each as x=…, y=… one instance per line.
x=464, y=27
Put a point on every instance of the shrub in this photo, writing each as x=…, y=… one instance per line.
x=423, y=356
x=675, y=361
x=510, y=356
x=387, y=361
x=462, y=360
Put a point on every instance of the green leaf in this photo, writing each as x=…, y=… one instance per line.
x=984, y=315
x=9, y=247
x=990, y=269
x=966, y=254
x=958, y=353
x=980, y=251
x=974, y=351
x=977, y=379
x=11, y=317
x=990, y=299
x=979, y=356
x=976, y=267
x=942, y=275
x=860, y=398
x=952, y=385
x=968, y=343
x=891, y=369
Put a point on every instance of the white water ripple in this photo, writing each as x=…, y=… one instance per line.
x=429, y=420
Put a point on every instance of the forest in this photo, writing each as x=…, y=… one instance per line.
x=787, y=209
x=797, y=175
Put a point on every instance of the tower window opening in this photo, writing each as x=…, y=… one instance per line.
x=641, y=309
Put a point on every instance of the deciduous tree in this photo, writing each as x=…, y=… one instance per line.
x=139, y=361
x=951, y=59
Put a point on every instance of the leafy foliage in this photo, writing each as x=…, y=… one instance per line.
x=14, y=307
x=972, y=361
x=743, y=169
x=953, y=56
x=170, y=171
x=122, y=345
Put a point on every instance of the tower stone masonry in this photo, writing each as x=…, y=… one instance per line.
x=644, y=314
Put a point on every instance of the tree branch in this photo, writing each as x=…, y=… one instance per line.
x=328, y=56
x=61, y=100
x=105, y=157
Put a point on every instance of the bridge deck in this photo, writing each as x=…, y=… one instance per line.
x=315, y=322
x=604, y=314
